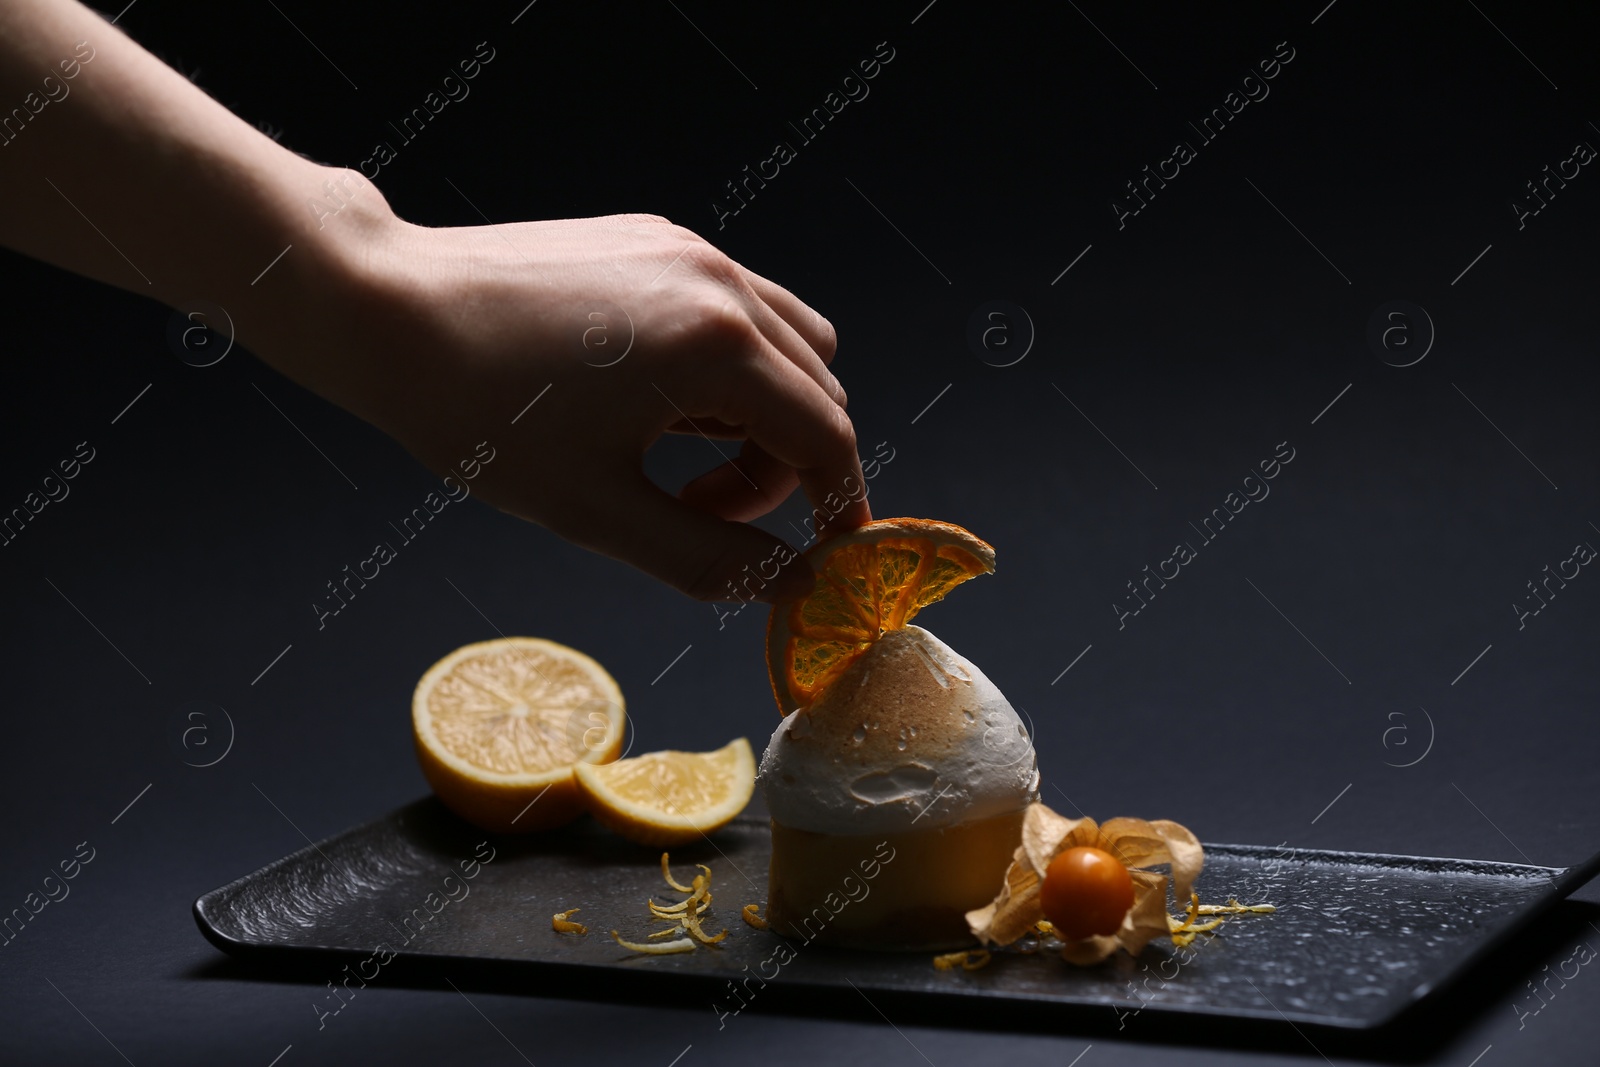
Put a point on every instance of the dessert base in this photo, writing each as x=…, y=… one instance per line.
x=900, y=891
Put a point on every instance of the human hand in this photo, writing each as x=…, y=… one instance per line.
x=443, y=337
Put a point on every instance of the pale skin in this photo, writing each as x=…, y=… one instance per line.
x=127, y=173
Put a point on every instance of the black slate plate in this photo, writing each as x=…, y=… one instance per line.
x=1356, y=940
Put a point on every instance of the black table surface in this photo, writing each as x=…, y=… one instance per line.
x=1353, y=662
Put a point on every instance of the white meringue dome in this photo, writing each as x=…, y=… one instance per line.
x=911, y=736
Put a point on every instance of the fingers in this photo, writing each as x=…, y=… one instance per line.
x=816, y=330
x=786, y=413
x=789, y=325
x=801, y=349
x=694, y=551
x=744, y=488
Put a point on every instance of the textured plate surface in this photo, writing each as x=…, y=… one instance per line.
x=1356, y=939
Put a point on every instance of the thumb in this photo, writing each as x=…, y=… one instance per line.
x=692, y=550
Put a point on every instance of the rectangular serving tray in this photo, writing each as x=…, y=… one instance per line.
x=1356, y=940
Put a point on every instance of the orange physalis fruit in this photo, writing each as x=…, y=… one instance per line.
x=1086, y=892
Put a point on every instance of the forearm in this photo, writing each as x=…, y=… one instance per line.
x=114, y=166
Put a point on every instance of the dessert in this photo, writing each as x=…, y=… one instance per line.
x=913, y=766
x=898, y=779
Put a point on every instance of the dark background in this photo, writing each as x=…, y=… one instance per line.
x=983, y=162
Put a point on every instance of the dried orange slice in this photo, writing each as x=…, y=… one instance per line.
x=670, y=798
x=873, y=579
x=499, y=725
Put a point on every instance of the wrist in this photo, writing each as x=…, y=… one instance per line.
x=331, y=228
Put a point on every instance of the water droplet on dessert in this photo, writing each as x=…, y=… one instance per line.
x=966, y=713
x=901, y=744
x=861, y=733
